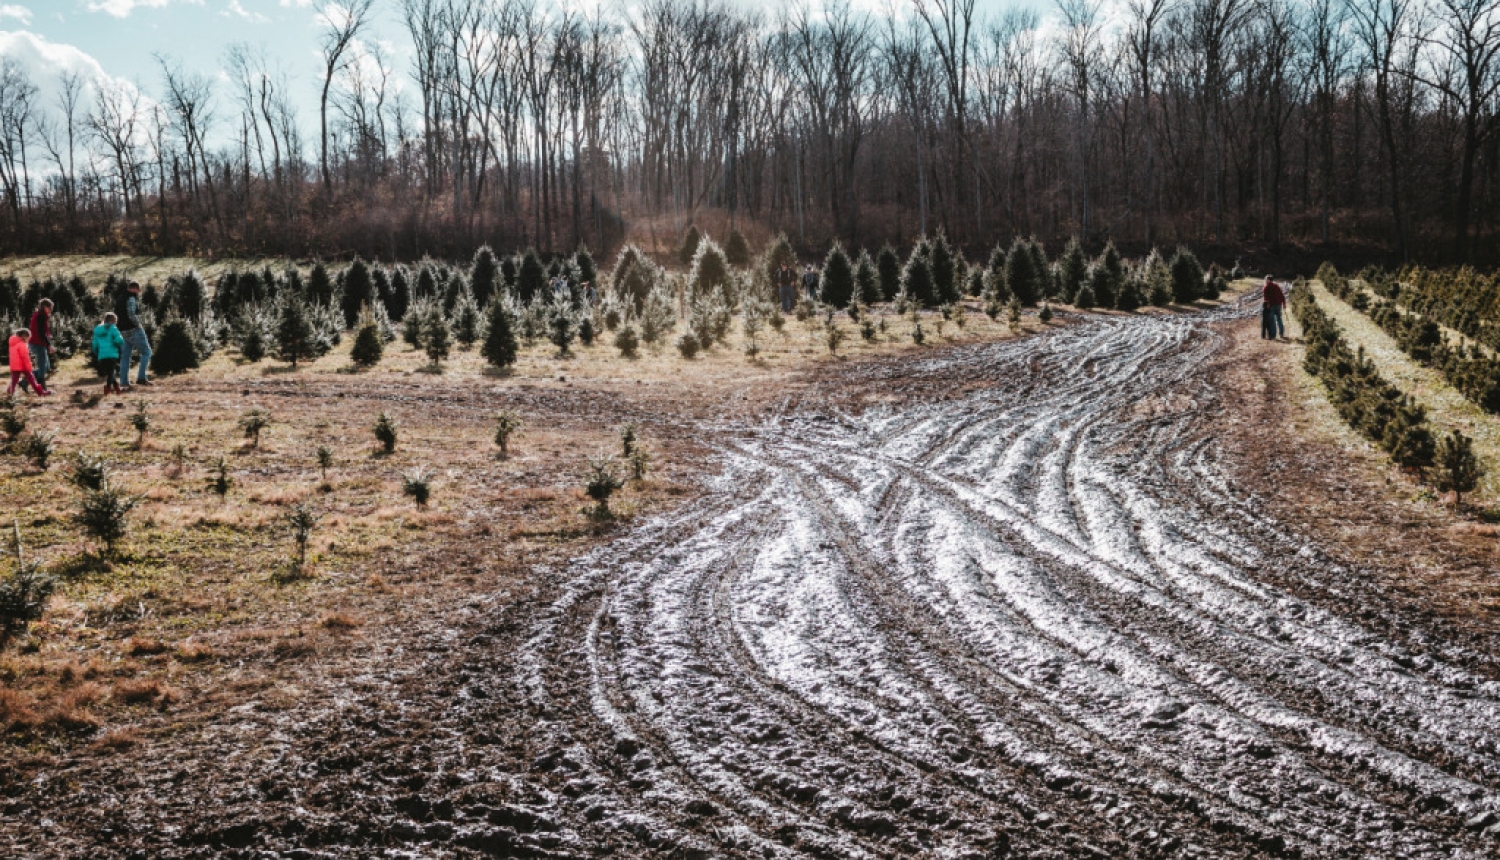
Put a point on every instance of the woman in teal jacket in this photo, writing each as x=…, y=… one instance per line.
x=107, y=343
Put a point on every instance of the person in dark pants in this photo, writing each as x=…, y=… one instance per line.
x=128, y=310
x=810, y=283
x=41, y=342
x=786, y=282
x=1272, y=299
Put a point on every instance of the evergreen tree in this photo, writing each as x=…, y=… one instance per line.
x=248, y=288
x=531, y=281
x=1157, y=279
x=368, y=347
x=453, y=292
x=1458, y=470
x=1074, y=268
x=484, y=275
x=1129, y=296
x=319, y=285
x=944, y=270
x=994, y=277
x=1187, y=277
x=437, y=337
x=583, y=261
x=916, y=280
x=688, y=250
x=466, y=320
x=635, y=283
x=737, y=250
x=974, y=283
x=499, y=347
x=1046, y=282
x=176, y=351
x=293, y=284
x=510, y=270
x=400, y=294
x=710, y=269
x=867, y=279
x=427, y=285
x=294, y=333
x=1084, y=299
x=359, y=291
x=1099, y=286
x=838, y=278
x=382, y=281
x=1021, y=275
x=888, y=265
x=190, y=296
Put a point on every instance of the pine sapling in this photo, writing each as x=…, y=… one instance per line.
x=13, y=419
x=87, y=471
x=301, y=520
x=418, y=485
x=639, y=460
x=385, y=430
x=1458, y=469
x=102, y=513
x=325, y=461
x=628, y=438
x=507, y=427
x=252, y=423
x=602, y=481
x=38, y=448
x=140, y=419
x=178, y=463
x=23, y=594
x=221, y=481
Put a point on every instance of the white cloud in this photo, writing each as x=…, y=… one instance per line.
x=122, y=8
x=235, y=10
x=20, y=13
x=46, y=62
x=300, y=4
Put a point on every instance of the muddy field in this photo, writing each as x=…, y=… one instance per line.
x=1025, y=598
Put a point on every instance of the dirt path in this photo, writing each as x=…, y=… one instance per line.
x=1017, y=609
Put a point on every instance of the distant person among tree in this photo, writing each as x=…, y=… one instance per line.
x=128, y=314
x=40, y=342
x=106, y=347
x=810, y=282
x=1272, y=298
x=20, y=364
x=786, y=282
x=587, y=289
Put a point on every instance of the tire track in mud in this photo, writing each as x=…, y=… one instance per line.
x=1025, y=620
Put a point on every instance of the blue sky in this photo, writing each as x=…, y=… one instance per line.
x=122, y=38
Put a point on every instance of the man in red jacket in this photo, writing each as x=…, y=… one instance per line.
x=41, y=341
x=1271, y=301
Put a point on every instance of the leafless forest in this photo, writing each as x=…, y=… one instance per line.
x=1367, y=123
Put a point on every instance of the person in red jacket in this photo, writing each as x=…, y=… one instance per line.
x=41, y=341
x=1271, y=301
x=20, y=363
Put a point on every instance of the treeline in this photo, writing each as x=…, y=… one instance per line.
x=1365, y=122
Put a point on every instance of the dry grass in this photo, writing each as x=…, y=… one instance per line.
x=339, y=621
x=1447, y=408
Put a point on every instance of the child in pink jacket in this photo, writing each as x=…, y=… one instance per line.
x=20, y=363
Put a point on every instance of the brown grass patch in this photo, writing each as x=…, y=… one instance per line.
x=16, y=709
x=339, y=621
x=118, y=739
x=137, y=691
x=194, y=652
x=139, y=646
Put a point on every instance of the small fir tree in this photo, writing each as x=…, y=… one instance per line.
x=176, y=350
x=838, y=278
x=369, y=346
x=1458, y=469
x=484, y=275
x=320, y=285
x=867, y=280
x=386, y=431
x=437, y=337
x=916, y=281
x=359, y=291
x=583, y=263
x=1187, y=277
x=945, y=270
x=710, y=269
x=294, y=333
x=737, y=250
x=1021, y=274
x=1074, y=268
x=688, y=249
x=500, y=346
x=507, y=427
x=888, y=267
x=531, y=281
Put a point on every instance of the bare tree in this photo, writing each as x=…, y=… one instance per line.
x=342, y=23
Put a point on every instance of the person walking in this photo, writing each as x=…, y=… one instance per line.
x=1272, y=299
x=20, y=363
x=106, y=347
x=810, y=283
x=786, y=281
x=40, y=343
x=128, y=316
